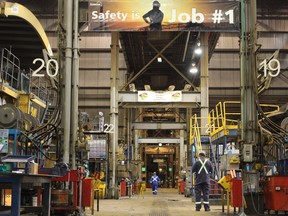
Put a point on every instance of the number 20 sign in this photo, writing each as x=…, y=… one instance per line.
x=52, y=67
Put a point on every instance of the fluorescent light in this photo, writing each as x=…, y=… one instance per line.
x=194, y=70
x=159, y=59
x=198, y=51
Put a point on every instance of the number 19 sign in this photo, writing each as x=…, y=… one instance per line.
x=272, y=66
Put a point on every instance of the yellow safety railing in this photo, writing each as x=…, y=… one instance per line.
x=270, y=108
x=195, y=131
x=224, y=118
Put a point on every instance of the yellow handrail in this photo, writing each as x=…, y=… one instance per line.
x=276, y=108
x=222, y=118
x=195, y=132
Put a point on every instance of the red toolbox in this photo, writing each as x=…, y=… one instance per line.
x=276, y=193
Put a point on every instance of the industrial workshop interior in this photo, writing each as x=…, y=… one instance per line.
x=124, y=107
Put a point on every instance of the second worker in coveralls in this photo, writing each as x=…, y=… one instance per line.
x=202, y=170
x=154, y=181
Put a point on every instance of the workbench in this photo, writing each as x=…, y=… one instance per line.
x=15, y=181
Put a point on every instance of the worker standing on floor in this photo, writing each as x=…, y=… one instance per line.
x=202, y=170
x=154, y=181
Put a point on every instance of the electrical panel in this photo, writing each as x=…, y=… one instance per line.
x=229, y=162
x=247, y=153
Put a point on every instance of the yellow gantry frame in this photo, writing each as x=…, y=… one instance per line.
x=14, y=9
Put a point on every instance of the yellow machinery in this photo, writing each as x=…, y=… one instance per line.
x=225, y=184
x=99, y=185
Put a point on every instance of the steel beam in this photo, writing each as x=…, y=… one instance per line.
x=158, y=126
x=159, y=105
x=187, y=97
x=152, y=140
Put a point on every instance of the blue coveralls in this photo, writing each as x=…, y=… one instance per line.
x=202, y=170
x=154, y=180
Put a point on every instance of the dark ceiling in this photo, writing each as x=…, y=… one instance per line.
x=21, y=39
x=140, y=48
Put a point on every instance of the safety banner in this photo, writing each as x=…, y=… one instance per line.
x=155, y=96
x=164, y=15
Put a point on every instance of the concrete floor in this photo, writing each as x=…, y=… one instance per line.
x=167, y=203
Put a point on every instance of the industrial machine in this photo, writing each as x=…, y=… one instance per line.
x=69, y=201
x=27, y=136
x=276, y=193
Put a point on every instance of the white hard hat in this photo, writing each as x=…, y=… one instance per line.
x=156, y=4
x=202, y=153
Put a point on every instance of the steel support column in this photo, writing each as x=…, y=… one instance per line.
x=128, y=137
x=138, y=134
x=249, y=117
x=182, y=150
x=68, y=17
x=137, y=156
x=75, y=84
x=204, y=83
x=248, y=73
x=114, y=105
x=188, y=144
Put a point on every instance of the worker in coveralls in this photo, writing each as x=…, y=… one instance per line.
x=202, y=170
x=155, y=17
x=154, y=181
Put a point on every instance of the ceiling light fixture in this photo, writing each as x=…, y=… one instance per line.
x=193, y=69
x=198, y=49
x=159, y=59
x=171, y=88
x=132, y=87
x=147, y=87
x=187, y=87
x=160, y=144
